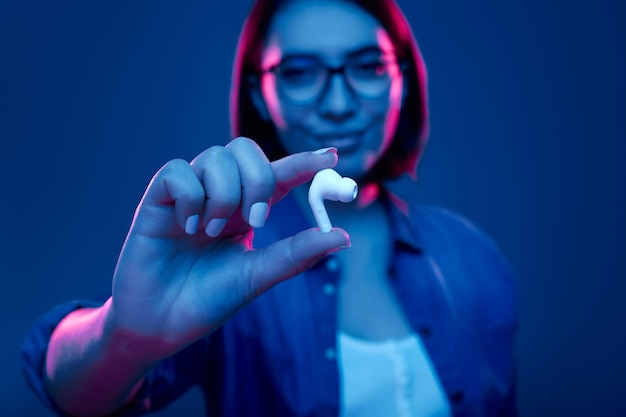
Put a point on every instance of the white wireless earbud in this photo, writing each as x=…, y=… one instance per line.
x=329, y=185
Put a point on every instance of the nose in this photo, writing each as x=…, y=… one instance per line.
x=338, y=102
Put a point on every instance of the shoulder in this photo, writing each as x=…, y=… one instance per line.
x=447, y=227
x=475, y=270
x=442, y=229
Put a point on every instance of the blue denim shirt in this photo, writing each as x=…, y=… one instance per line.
x=277, y=356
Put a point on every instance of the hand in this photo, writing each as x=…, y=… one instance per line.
x=174, y=282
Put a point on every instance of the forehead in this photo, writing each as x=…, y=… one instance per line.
x=330, y=29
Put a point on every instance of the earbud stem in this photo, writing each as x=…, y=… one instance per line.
x=328, y=184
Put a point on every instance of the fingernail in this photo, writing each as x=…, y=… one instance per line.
x=258, y=213
x=339, y=249
x=324, y=150
x=215, y=226
x=191, y=225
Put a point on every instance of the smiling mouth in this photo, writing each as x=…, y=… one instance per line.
x=344, y=142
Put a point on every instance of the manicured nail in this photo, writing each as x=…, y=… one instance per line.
x=258, y=213
x=215, y=226
x=339, y=249
x=324, y=150
x=191, y=225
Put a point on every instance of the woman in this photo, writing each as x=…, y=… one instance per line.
x=417, y=318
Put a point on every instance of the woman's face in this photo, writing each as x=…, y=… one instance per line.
x=331, y=79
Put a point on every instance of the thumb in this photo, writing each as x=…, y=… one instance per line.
x=288, y=257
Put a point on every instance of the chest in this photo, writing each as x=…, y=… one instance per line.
x=291, y=336
x=368, y=307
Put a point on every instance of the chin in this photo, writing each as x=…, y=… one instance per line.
x=351, y=171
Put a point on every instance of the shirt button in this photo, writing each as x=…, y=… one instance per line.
x=329, y=289
x=332, y=265
x=425, y=331
x=392, y=272
x=457, y=397
x=330, y=354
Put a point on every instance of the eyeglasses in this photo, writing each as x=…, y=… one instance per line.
x=303, y=79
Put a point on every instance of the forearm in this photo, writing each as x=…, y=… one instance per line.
x=91, y=368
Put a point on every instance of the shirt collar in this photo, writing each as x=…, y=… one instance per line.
x=404, y=230
x=403, y=226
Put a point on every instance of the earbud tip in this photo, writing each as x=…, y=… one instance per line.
x=348, y=190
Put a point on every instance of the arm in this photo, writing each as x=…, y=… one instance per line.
x=86, y=348
x=175, y=283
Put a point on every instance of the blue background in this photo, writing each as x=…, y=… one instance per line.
x=528, y=141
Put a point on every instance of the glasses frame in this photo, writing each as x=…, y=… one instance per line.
x=330, y=71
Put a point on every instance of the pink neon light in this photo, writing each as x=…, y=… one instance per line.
x=395, y=96
x=271, y=57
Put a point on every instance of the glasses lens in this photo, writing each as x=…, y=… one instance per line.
x=300, y=79
x=370, y=75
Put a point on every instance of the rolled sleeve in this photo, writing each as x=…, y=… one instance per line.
x=165, y=382
x=35, y=347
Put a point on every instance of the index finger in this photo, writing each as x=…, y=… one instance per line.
x=296, y=169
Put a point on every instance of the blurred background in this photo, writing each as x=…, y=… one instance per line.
x=528, y=140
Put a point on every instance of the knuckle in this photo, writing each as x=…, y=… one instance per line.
x=216, y=152
x=207, y=156
x=240, y=141
x=242, y=144
x=174, y=167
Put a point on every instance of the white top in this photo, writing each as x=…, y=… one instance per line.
x=389, y=378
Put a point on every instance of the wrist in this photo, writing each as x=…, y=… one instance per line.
x=128, y=345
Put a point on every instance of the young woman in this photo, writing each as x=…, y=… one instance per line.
x=416, y=319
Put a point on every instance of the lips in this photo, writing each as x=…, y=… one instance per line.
x=344, y=142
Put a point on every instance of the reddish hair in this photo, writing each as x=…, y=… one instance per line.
x=411, y=134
